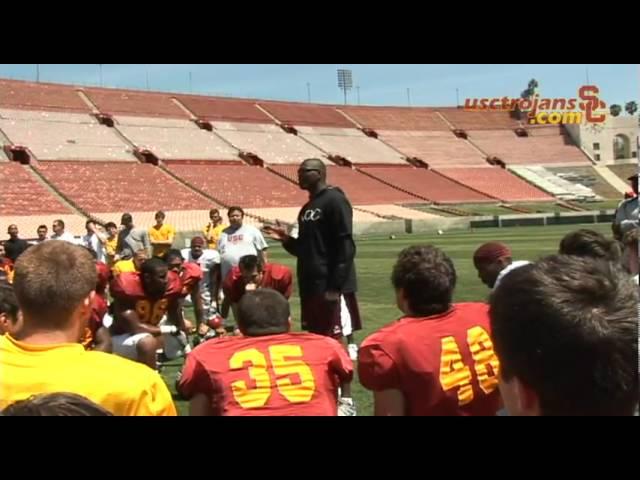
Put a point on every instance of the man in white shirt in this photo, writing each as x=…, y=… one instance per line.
x=60, y=234
x=209, y=261
x=95, y=240
x=42, y=235
x=239, y=240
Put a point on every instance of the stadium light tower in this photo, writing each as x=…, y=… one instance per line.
x=345, y=81
x=38, y=72
x=101, y=82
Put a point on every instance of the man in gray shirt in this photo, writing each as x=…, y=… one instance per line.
x=131, y=237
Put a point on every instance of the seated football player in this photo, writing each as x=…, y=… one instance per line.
x=494, y=261
x=438, y=359
x=209, y=262
x=252, y=273
x=190, y=275
x=268, y=370
x=96, y=335
x=141, y=300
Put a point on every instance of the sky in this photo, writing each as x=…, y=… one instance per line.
x=379, y=84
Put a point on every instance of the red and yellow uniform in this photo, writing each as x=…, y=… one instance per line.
x=190, y=276
x=444, y=365
x=6, y=266
x=123, y=387
x=127, y=287
x=98, y=308
x=276, y=277
x=276, y=375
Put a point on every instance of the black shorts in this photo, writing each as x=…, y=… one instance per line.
x=331, y=319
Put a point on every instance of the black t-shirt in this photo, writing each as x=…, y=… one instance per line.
x=325, y=230
x=14, y=248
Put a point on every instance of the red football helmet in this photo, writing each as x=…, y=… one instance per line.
x=216, y=322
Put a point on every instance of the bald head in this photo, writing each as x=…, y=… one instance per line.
x=312, y=175
x=315, y=163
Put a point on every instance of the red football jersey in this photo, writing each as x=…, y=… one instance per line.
x=190, y=276
x=127, y=287
x=275, y=276
x=276, y=375
x=98, y=311
x=104, y=273
x=444, y=365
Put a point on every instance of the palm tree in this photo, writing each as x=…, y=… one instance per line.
x=530, y=91
x=631, y=108
x=615, y=110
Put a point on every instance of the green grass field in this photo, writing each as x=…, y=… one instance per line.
x=376, y=256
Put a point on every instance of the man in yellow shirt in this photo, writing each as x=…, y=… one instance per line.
x=161, y=236
x=111, y=244
x=213, y=230
x=129, y=263
x=54, y=285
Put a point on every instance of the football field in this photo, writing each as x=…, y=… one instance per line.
x=375, y=259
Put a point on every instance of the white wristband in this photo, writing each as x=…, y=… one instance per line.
x=169, y=329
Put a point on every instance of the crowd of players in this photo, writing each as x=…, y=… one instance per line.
x=558, y=336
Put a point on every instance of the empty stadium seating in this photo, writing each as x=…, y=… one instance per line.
x=127, y=102
x=111, y=187
x=300, y=114
x=63, y=136
x=172, y=139
x=535, y=150
x=589, y=177
x=352, y=145
x=41, y=96
x=244, y=185
x=396, y=118
x=434, y=148
x=427, y=184
x=556, y=185
x=360, y=189
x=479, y=120
x=544, y=131
x=624, y=171
x=496, y=182
x=269, y=142
x=223, y=109
x=22, y=193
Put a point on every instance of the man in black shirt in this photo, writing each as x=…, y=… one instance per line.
x=325, y=250
x=14, y=246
